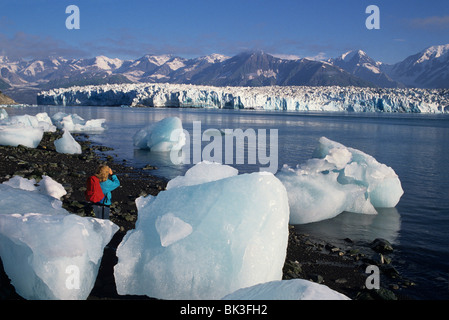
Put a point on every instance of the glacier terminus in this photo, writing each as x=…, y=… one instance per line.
x=292, y=98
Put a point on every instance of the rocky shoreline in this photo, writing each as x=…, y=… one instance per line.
x=342, y=269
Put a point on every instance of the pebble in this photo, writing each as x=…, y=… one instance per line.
x=149, y=167
x=381, y=246
x=341, y=281
x=316, y=278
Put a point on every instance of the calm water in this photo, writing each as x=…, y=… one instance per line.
x=415, y=146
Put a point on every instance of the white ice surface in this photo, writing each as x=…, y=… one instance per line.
x=206, y=240
x=299, y=98
x=47, y=252
x=24, y=130
x=202, y=172
x=75, y=123
x=295, y=289
x=67, y=144
x=53, y=257
x=338, y=179
x=20, y=134
x=46, y=186
x=163, y=136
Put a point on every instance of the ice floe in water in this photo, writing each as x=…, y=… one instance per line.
x=74, y=123
x=294, y=289
x=163, y=136
x=338, y=179
x=28, y=130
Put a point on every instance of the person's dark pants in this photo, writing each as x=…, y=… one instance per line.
x=101, y=211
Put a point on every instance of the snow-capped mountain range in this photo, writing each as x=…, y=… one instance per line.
x=429, y=68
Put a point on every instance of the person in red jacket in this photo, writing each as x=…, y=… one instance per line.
x=108, y=183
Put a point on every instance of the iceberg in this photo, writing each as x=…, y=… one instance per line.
x=383, y=186
x=317, y=196
x=206, y=240
x=294, y=289
x=67, y=144
x=3, y=114
x=205, y=171
x=46, y=186
x=49, y=186
x=20, y=134
x=47, y=252
x=19, y=182
x=35, y=202
x=45, y=122
x=53, y=257
x=40, y=120
x=338, y=179
x=28, y=130
x=74, y=123
x=24, y=130
x=163, y=136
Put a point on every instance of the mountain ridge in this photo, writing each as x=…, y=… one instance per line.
x=426, y=69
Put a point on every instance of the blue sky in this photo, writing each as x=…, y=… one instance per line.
x=129, y=29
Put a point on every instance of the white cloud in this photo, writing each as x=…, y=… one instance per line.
x=286, y=56
x=23, y=45
x=431, y=22
x=319, y=57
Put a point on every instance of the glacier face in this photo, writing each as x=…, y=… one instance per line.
x=295, y=98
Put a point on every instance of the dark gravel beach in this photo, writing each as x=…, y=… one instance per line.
x=342, y=269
